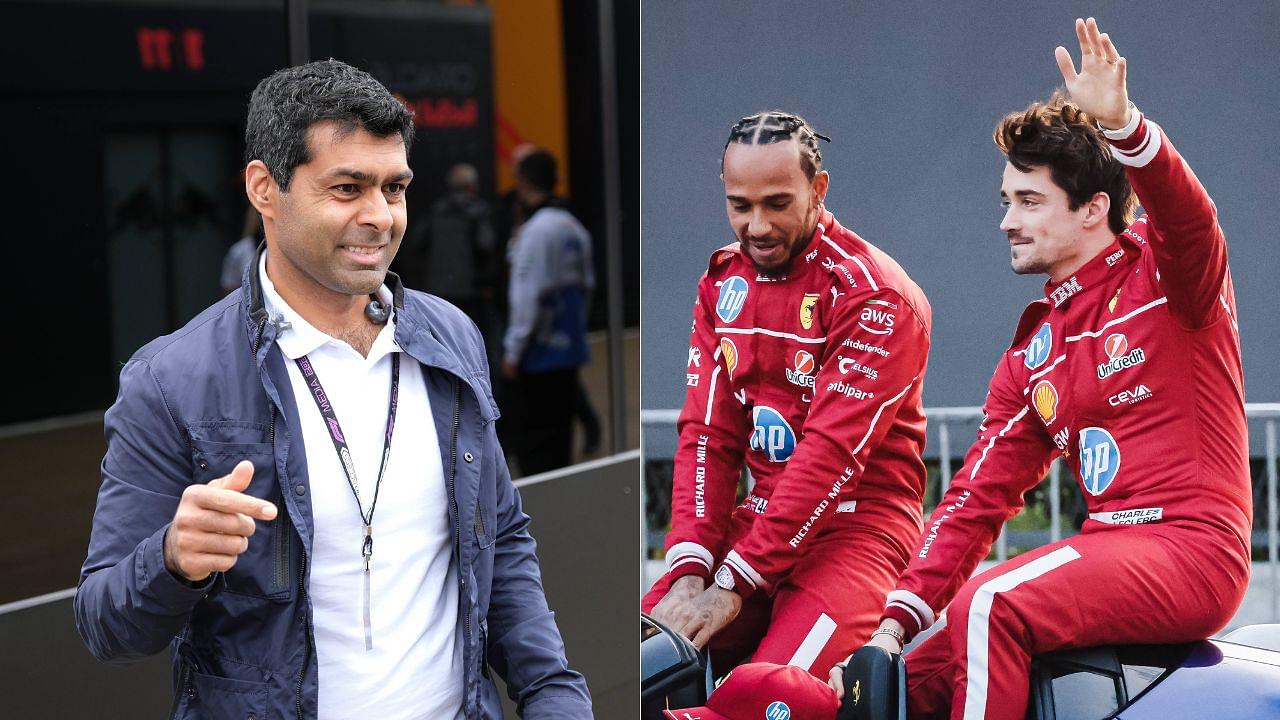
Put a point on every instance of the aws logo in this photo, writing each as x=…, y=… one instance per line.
x=876, y=318
x=772, y=434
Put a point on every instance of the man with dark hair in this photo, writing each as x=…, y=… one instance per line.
x=1130, y=369
x=231, y=525
x=806, y=364
x=552, y=277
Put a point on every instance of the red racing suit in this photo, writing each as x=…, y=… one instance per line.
x=814, y=379
x=1130, y=369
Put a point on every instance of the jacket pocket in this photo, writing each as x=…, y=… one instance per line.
x=483, y=528
x=262, y=570
x=227, y=698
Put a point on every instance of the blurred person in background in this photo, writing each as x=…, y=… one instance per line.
x=455, y=254
x=303, y=496
x=552, y=278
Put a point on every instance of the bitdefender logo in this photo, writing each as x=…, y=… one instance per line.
x=1121, y=358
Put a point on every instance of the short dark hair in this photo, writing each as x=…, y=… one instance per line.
x=288, y=102
x=1058, y=135
x=772, y=126
x=538, y=168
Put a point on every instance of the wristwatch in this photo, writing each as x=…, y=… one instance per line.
x=724, y=578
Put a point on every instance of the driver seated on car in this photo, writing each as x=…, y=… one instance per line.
x=1129, y=369
x=806, y=365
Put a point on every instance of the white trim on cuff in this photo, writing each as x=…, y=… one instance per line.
x=683, y=551
x=912, y=602
x=735, y=561
x=1135, y=117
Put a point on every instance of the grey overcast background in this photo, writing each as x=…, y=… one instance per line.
x=910, y=93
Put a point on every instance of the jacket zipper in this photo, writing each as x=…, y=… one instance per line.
x=306, y=629
x=183, y=680
x=283, y=530
x=457, y=509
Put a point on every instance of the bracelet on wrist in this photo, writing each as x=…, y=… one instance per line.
x=891, y=633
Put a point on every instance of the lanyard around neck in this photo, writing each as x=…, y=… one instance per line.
x=348, y=467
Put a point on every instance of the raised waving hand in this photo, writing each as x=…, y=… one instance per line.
x=1099, y=87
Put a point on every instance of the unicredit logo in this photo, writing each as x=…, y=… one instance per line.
x=1116, y=346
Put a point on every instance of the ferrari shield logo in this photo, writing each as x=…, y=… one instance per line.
x=807, y=305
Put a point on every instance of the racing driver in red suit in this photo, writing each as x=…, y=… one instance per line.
x=807, y=359
x=1130, y=369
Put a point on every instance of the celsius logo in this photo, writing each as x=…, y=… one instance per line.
x=1045, y=397
x=1099, y=459
x=733, y=295
x=729, y=352
x=772, y=435
x=777, y=710
x=1116, y=346
x=1039, y=347
x=846, y=364
x=876, y=318
x=802, y=375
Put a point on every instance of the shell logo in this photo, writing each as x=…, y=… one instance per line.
x=1045, y=398
x=1116, y=346
x=729, y=352
x=804, y=362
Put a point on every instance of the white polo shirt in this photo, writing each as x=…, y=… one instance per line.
x=415, y=667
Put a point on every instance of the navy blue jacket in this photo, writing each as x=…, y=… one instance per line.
x=193, y=404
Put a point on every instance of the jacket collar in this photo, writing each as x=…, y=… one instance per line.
x=415, y=333
x=1120, y=253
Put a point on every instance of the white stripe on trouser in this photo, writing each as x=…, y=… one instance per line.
x=823, y=628
x=975, y=690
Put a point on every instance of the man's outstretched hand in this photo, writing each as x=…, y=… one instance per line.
x=1099, y=88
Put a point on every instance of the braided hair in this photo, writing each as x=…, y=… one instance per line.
x=774, y=126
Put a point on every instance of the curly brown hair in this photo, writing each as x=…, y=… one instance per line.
x=1060, y=136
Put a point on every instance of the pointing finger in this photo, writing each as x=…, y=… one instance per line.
x=238, y=479
x=231, y=502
